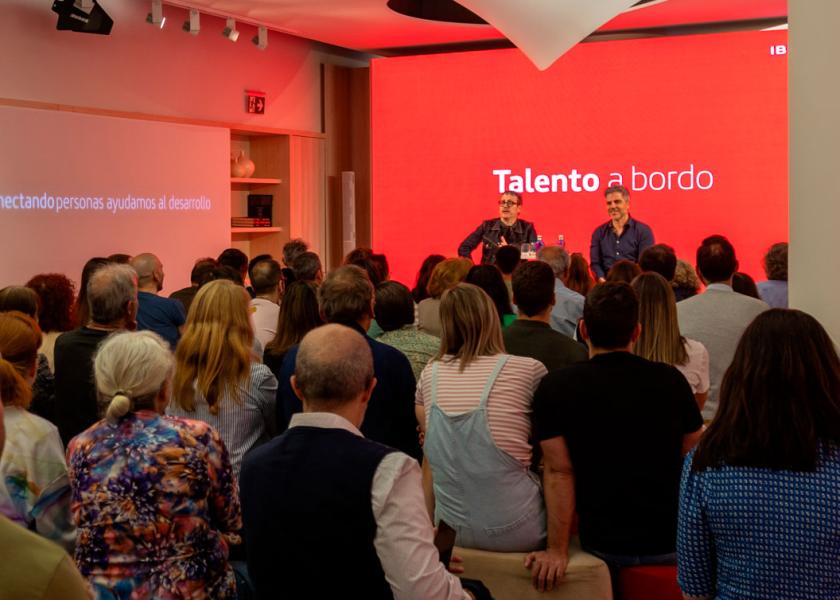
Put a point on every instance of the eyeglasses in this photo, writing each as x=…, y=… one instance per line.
x=508, y=203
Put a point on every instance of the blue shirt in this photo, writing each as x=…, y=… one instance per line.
x=567, y=309
x=607, y=248
x=162, y=315
x=774, y=293
x=749, y=532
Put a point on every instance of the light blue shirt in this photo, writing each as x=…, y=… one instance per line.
x=774, y=293
x=567, y=311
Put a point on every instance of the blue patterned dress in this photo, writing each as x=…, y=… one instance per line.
x=155, y=502
x=760, y=533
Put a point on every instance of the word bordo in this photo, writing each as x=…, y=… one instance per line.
x=657, y=181
x=556, y=182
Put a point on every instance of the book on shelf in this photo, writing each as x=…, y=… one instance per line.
x=250, y=222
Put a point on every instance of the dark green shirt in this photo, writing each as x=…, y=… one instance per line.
x=538, y=340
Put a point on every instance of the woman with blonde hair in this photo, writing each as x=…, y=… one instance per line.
x=660, y=339
x=34, y=490
x=447, y=274
x=217, y=379
x=154, y=497
x=474, y=406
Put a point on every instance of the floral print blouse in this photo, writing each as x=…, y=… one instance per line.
x=155, y=503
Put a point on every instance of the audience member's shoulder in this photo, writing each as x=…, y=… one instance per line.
x=37, y=428
x=198, y=430
x=525, y=363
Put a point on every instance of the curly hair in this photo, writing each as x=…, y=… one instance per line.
x=776, y=262
x=57, y=295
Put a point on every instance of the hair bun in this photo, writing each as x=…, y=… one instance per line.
x=119, y=406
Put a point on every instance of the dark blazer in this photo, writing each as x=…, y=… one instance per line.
x=539, y=341
x=489, y=234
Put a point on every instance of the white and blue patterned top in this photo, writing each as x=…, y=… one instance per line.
x=760, y=533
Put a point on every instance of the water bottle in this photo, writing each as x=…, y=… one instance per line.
x=539, y=244
x=561, y=240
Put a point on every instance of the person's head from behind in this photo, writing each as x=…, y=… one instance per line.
x=334, y=372
x=716, y=262
x=19, y=298
x=235, y=259
x=420, y=292
x=685, y=277
x=660, y=339
x=489, y=278
x=776, y=262
x=251, y=263
x=346, y=296
x=214, y=353
x=507, y=259
x=623, y=271
x=369, y=266
x=266, y=276
x=380, y=263
x=357, y=254
x=149, y=271
x=20, y=338
x=112, y=296
x=779, y=398
x=133, y=372
x=661, y=259
x=307, y=267
x=447, y=274
x=299, y=314
x=578, y=278
x=82, y=309
x=744, y=284
x=470, y=325
x=557, y=258
x=394, y=307
x=56, y=295
x=611, y=317
x=533, y=288
x=201, y=271
x=292, y=249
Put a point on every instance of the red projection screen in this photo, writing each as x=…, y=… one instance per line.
x=695, y=127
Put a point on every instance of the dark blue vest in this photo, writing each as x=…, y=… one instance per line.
x=309, y=525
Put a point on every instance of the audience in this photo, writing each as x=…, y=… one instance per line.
x=217, y=379
x=474, y=407
x=420, y=293
x=346, y=297
x=112, y=305
x=660, y=340
x=164, y=316
x=380, y=262
x=447, y=274
x=623, y=271
x=291, y=250
x=534, y=286
x=154, y=497
x=299, y=314
x=267, y=280
x=568, y=304
x=321, y=494
x=507, y=259
x=489, y=279
x=613, y=431
x=307, y=267
x=394, y=310
x=235, y=260
x=685, y=282
x=744, y=284
x=760, y=501
x=56, y=294
x=201, y=273
x=120, y=258
x=659, y=258
x=578, y=277
x=774, y=291
x=82, y=308
x=252, y=263
x=717, y=317
x=34, y=491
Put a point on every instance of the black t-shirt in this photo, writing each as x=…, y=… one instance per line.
x=623, y=419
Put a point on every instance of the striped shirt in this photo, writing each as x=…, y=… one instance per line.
x=244, y=421
x=509, y=402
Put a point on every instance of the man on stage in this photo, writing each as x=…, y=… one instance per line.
x=620, y=238
x=495, y=233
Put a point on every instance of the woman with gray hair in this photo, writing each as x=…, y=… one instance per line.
x=154, y=497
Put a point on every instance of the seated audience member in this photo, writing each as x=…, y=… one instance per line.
x=474, y=407
x=32, y=567
x=291, y=250
x=507, y=259
x=375, y=534
x=744, y=284
x=252, y=263
x=307, y=267
x=217, y=379
x=346, y=298
x=760, y=500
x=112, y=296
x=447, y=274
x=238, y=261
x=154, y=497
x=120, y=258
x=717, y=317
x=380, y=262
x=685, y=282
x=489, y=279
x=267, y=280
x=774, y=291
x=568, y=304
x=660, y=340
x=578, y=277
x=394, y=310
x=659, y=258
x=56, y=294
x=82, y=308
x=613, y=431
x=299, y=314
x=199, y=275
x=164, y=316
x=34, y=491
x=623, y=271
x=420, y=293
x=531, y=334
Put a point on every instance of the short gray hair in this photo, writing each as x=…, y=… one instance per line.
x=110, y=289
x=306, y=266
x=334, y=365
x=346, y=295
x=555, y=257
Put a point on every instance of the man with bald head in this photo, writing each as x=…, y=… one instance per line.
x=326, y=510
x=164, y=316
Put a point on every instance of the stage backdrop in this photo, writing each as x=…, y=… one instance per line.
x=695, y=127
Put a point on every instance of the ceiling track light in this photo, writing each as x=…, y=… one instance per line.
x=193, y=26
x=261, y=39
x=156, y=16
x=230, y=31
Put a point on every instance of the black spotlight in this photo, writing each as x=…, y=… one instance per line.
x=76, y=19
